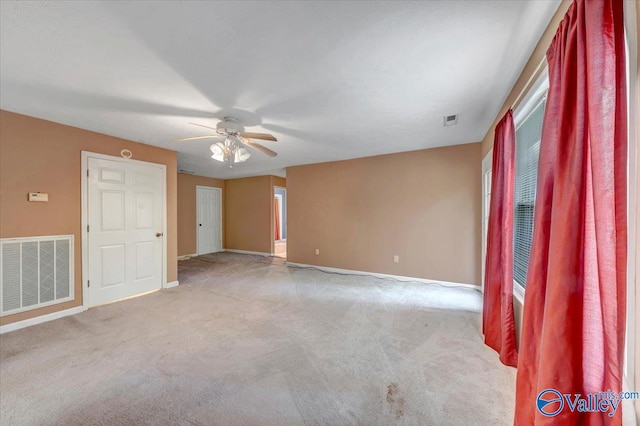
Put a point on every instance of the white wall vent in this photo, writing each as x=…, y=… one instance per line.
x=450, y=120
x=35, y=272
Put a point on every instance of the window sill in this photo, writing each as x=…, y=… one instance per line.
x=518, y=292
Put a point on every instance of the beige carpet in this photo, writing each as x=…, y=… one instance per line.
x=246, y=340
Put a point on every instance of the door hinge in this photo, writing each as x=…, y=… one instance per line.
x=87, y=228
x=87, y=172
x=88, y=283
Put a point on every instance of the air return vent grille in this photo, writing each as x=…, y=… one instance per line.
x=450, y=120
x=35, y=272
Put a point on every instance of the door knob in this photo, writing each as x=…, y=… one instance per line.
x=158, y=234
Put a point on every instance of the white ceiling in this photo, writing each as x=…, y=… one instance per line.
x=331, y=80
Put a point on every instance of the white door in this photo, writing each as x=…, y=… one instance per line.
x=209, y=219
x=125, y=218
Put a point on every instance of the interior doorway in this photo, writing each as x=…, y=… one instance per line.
x=280, y=221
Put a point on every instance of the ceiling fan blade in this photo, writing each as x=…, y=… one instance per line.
x=264, y=136
x=202, y=125
x=197, y=137
x=259, y=147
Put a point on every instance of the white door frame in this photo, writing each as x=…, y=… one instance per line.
x=487, y=163
x=220, y=208
x=633, y=184
x=278, y=198
x=282, y=224
x=84, y=169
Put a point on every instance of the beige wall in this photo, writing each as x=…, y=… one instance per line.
x=423, y=206
x=42, y=156
x=187, y=210
x=248, y=207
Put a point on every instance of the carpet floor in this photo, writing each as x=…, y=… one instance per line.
x=246, y=340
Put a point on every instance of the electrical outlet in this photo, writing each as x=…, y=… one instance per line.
x=396, y=259
x=317, y=252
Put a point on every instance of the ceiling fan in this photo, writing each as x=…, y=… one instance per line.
x=232, y=149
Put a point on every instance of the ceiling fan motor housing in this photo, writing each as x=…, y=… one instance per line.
x=229, y=126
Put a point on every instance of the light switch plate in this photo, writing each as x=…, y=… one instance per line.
x=39, y=196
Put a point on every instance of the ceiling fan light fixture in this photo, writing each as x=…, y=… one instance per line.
x=241, y=155
x=217, y=152
x=231, y=150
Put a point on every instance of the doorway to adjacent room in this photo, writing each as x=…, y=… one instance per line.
x=280, y=222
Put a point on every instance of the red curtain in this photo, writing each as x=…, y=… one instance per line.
x=574, y=313
x=498, y=323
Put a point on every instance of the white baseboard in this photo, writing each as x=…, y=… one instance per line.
x=40, y=319
x=377, y=275
x=187, y=256
x=171, y=284
x=256, y=253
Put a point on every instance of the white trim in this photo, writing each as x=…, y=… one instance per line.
x=187, y=256
x=171, y=285
x=84, y=220
x=377, y=275
x=280, y=207
x=487, y=166
x=283, y=205
x=629, y=380
x=518, y=292
x=256, y=253
x=532, y=99
x=40, y=319
x=48, y=237
x=197, y=231
x=165, y=213
x=628, y=405
x=84, y=187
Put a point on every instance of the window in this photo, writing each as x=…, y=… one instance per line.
x=528, y=121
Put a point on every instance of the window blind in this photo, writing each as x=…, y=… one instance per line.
x=526, y=170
